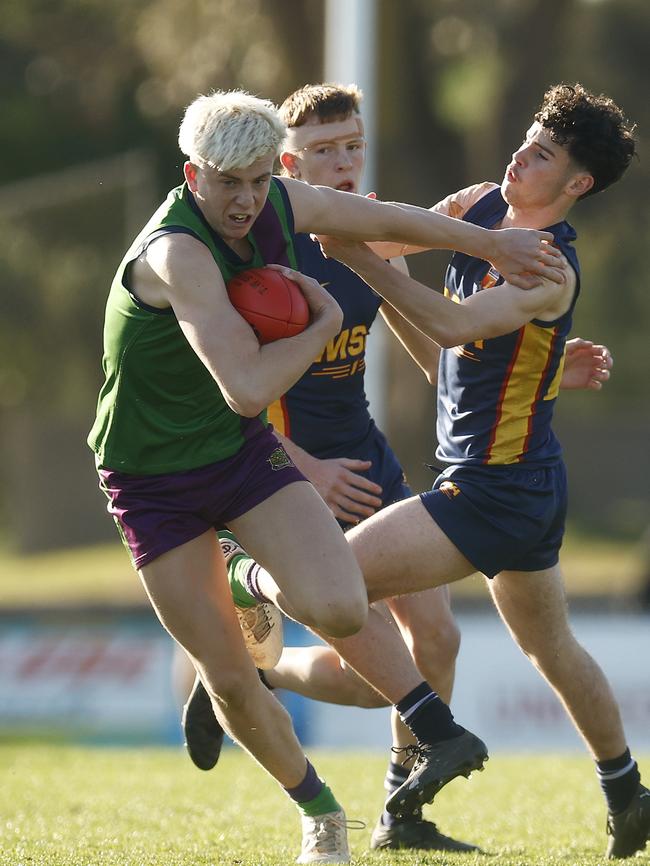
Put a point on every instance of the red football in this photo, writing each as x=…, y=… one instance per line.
x=272, y=304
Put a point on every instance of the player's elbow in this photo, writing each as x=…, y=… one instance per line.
x=456, y=332
x=247, y=402
x=447, y=339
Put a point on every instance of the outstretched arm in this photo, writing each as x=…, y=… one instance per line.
x=490, y=313
x=516, y=253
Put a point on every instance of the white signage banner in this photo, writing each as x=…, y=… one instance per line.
x=109, y=680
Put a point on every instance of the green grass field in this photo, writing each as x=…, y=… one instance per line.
x=68, y=806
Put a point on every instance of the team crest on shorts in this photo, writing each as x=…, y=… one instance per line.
x=449, y=489
x=279, y=459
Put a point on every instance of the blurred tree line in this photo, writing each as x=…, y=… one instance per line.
x=91, y=95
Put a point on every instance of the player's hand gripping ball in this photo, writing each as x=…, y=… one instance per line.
x=272, y=304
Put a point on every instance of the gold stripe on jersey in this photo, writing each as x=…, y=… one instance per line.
x=554, y=387
x=521, y=391
x=342, y=371
x=276, y=414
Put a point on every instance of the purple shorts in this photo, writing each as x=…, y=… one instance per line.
x=155, y=513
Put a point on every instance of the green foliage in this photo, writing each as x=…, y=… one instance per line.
x=66, y=806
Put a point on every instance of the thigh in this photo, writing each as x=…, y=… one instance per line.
x=294, y=536
x=189, y=591
x=401, y=549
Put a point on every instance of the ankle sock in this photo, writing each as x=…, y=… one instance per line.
x=619, y=778
x=312, y=796
x=243, y=577
x=427, y=716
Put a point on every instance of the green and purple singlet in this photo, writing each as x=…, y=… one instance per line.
x=160, y=410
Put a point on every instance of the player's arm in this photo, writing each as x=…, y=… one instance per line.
x=178, y=271
x=586, y=365
x=424, y=351
x=455, y=205
x=351, y=497
x=489, y=313
x=516, y=253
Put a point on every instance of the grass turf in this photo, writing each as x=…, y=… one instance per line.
x=69, y=806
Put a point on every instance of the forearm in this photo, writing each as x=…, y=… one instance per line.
x=484, y=315
x=421, y=229
x=251, y=377
x=416, y=229
x=278, y=365
x=422, y=349
x=326, y=211
x=425, y=309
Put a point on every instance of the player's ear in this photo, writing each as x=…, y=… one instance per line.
x=290, y=163
x=580, y=184
x=189, y=171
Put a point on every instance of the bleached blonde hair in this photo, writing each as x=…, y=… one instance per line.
x=230, y=129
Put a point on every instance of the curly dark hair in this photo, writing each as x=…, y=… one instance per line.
x=593, y=128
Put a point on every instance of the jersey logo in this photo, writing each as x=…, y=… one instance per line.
x=279, y=459
x=490, y=279
x=449, y=489
x=350, y=342
x=348, y=346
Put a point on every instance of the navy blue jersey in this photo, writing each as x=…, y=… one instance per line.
x=496, y=396
x=326, y=411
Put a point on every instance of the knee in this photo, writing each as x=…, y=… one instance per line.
x=342, y=618
x=551, y=651
x=227, y=690
x=336, y=617
x=436, y=652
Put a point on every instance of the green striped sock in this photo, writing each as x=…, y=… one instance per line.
x=321, y=804
x=237, y=569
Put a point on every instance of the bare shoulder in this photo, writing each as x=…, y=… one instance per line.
x=559, y=295
x=458, y=203
x=306, y=201
x=171, y=264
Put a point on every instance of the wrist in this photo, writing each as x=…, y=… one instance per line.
x=485, y=243
x=367, y=265
x=327, y=321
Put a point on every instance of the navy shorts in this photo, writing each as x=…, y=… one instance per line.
x=385, y=470
x=502, y=518
x=155, y=513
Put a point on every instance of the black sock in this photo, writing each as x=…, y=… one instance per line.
x=396, y=775
x=619, y=778
x=427, y=716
